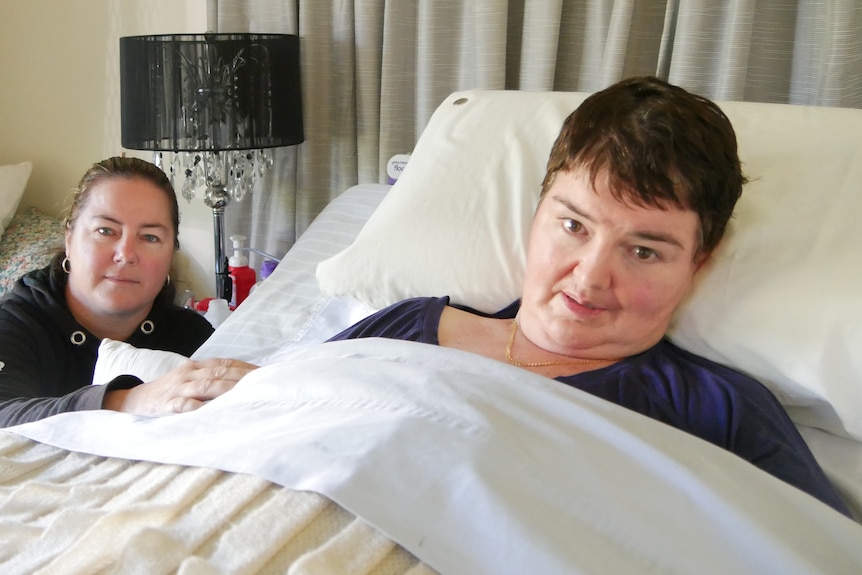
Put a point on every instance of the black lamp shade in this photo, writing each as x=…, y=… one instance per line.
x=210, y=92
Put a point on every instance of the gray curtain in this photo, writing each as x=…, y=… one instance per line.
x=373, y=71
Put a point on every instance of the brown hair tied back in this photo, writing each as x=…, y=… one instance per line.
x=127, y=168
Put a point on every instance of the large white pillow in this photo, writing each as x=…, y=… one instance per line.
x=782, y=299
x=456, y=222
x=120, y=358
x=13, y=180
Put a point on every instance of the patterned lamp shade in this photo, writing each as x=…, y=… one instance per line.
x=217, y=102
x=210, y=92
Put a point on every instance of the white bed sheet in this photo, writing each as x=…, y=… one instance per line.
x=476, y=466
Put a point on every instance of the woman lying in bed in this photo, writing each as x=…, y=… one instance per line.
x=640, y=185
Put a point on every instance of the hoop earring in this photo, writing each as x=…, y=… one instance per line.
x=66, y=265
x=168, y=281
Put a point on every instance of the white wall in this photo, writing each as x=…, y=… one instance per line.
x=59, y=101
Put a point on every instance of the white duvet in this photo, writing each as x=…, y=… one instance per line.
x=479, y=467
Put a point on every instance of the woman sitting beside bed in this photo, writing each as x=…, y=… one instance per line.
x=111, y=282
x=640, y=185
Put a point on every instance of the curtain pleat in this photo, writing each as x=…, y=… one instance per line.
x=374, y=71
x=542, y=25
x=827, y=56
x=370, y=24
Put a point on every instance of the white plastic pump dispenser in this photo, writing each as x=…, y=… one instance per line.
x=217, y=312
x=237, y=260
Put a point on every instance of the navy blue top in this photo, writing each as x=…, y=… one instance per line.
x=665, y=382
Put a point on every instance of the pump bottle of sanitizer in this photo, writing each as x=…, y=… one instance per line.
x=242, y=276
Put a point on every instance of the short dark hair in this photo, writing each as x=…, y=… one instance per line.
x=661, y=146
x=125, y=168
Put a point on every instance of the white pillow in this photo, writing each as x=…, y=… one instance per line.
x=456, y=222
x=13, y=180
x=120, y=358
x=782, y=299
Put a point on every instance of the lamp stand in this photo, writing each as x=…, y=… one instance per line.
x=217, y=198
x=218, y=102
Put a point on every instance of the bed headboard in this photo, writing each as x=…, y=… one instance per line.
x=781, y=299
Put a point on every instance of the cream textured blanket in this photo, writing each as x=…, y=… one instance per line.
x=67, y=512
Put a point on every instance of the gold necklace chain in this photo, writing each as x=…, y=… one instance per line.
x=517, y=363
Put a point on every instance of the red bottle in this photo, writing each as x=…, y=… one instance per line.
x=242, y=277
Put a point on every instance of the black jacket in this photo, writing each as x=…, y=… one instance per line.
x=47, y=358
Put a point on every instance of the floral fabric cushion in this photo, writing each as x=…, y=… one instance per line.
x=13, y=180
x=29, y=242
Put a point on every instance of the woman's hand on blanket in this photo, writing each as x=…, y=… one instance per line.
x=182, y=389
